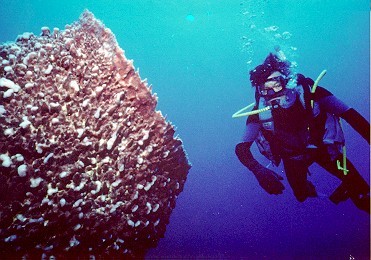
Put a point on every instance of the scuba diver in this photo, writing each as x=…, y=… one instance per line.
x=298, y=123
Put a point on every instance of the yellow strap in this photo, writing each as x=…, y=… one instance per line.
x=241, y=112
x=313, y=90
x=320, y=76
x=344, y=167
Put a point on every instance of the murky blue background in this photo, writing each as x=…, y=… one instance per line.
x=197, y=55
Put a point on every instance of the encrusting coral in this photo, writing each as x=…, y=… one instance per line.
x=87, y=165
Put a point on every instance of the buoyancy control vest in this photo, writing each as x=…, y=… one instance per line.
x=312, y=127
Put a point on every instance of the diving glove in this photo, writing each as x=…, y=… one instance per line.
x=269, y=181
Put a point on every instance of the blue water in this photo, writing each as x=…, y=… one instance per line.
x=197, y=54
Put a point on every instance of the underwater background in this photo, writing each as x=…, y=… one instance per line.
x=197, y=55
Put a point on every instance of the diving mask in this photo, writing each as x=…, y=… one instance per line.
x=270, y=91
x=272, y=86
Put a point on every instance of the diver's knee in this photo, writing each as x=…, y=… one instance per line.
x=305, y=192
x=301, y=197
x=362, y=202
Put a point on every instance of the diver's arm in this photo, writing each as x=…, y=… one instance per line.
x=243, y=149
x=335, y=106
x=358, y=122
x=268, y=180
x=246, y=158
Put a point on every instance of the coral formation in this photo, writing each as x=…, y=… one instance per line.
x=88, y=166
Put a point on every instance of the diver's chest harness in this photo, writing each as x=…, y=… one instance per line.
x=295, y=114
x=288, y=112
x=321, y=128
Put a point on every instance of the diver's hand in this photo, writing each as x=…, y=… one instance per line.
x=270, y=181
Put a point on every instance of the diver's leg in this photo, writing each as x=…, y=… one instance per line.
x=296, y=173
x=353, y=184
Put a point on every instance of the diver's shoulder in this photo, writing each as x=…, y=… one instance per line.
x=306, y=82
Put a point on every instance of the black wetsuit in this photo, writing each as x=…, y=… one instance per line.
x=290, y=140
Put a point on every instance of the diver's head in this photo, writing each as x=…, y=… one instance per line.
x=273, y=85
x=274, y=91
x=260, y=75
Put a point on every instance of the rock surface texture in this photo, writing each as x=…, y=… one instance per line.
x=87, y=165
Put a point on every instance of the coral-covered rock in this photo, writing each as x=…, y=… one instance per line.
x=88, y=166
